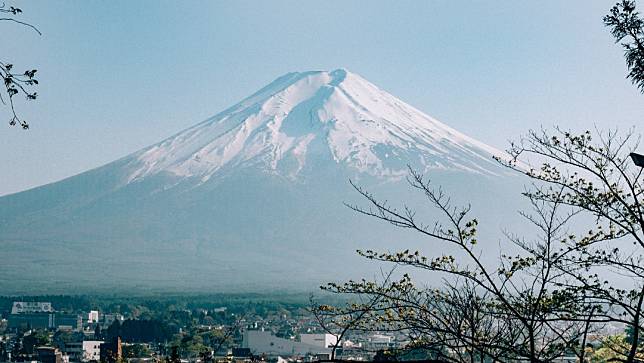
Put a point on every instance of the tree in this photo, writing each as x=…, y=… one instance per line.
x=206, y=356
x=62, y=337
x=627, y=27
x=519, y=309
x=593, y=176
x=114, y=330
x=98, y=335
x=612, y=349
x=35, y=339
x=545, y=300
x=340, y=322
x=224, y=336
x=174, y=355
x=16, y=83
x=136, y=351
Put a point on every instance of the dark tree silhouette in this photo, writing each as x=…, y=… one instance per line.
x=16, y=83
x=628, y=28
x=174, y=357
x=98, y=335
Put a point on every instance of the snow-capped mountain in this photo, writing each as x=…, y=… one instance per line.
x=244, y=198
x=336, y=115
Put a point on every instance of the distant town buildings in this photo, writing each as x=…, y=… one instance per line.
x=380, y=342
x=41, y=315
x=264, y=342
x=83, y=351
x=199, y=335
x=89, y=337
x=31, y=307
x=319, y=340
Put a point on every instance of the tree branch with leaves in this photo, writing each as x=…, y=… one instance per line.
x=16, y=83
x=592, y=174
x=518, y=309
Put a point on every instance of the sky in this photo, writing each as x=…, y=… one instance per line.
x=120, y=75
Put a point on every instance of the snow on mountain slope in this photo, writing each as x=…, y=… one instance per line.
x=250, y=198
x=301, y=116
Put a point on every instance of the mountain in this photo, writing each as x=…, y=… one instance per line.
x=251, y=198
x=314, y=115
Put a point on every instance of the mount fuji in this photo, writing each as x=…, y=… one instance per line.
x=251, y=198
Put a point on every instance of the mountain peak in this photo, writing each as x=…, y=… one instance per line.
x=246, y=197
x=335, y=116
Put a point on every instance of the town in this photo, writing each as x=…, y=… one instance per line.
x=176, y=332
x=196, y=330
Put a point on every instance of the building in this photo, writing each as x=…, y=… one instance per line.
x=45, y=321
x=30, y=307
x=41, y=315
x=49, y=355
x=319, y=340
x=111, y=352
x=85, y=351
x=380, y=342
x=31, y=321
x=31, y=315
x=92, y=350
x=92, y=317
x=73, y=321
x=263, y=342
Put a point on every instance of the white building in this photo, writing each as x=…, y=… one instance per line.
x=92, y=317
x=380, y=341
x=30, y=307
x=85, y=351
x=320, y=340
x=92, y=350
x=263, y=342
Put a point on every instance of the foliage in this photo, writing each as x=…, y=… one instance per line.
x=136, y=351
x=613, y=348
x=544, y=301
x=174, y=355
x=37, y=338
x=515, y=310
x=627, y=27
x=61, y=337
x=139, y=331
x=595, y=178
x=16, y=83
x=339, y=322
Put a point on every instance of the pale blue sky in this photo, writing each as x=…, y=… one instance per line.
x=117, y=76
